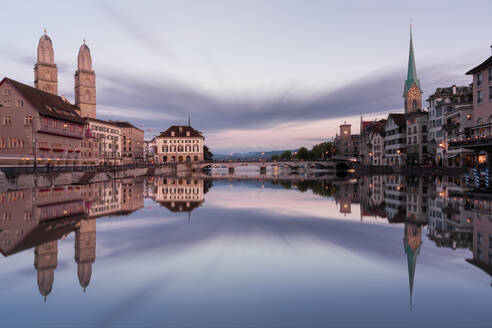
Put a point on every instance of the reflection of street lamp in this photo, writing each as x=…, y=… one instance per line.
x=370, y=158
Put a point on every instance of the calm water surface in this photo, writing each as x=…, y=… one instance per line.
x=187, y=252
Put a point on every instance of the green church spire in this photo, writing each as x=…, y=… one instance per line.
x=412, y=69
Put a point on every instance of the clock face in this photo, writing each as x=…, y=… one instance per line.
x=414, y=92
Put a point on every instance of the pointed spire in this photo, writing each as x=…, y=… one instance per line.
x=412, y=69
x=44, y=31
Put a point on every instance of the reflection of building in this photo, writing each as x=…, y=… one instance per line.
x=38, y=218
x=371, y=192
x=395, y=198
x=85, y=250
x=347, y=193
x=411, y=243
x=417, y=197
x=45, y=261
x=482, y=232
x=179, y=194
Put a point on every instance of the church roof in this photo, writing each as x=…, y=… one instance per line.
x=46, y=103
x=412, y=69
x=180, y=132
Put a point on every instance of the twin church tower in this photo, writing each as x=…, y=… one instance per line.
x=46, y=76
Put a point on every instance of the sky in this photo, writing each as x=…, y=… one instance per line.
x=251, y=75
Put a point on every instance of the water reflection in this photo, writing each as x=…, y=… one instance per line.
x=37, y=219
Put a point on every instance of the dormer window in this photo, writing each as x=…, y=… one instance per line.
x=187, y=133
x=173, y=134
x=180, y=129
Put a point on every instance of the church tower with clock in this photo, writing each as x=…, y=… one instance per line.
x=412, y=91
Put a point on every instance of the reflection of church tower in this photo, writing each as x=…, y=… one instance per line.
x=411, y=243
x=45, y=261
x=45, y=71
x=85, y=83
x=412, y=91
x=85, y=250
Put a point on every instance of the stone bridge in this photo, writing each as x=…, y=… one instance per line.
x=338, y=164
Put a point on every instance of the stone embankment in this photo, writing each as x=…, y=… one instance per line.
x=31, y=180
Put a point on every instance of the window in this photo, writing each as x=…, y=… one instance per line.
x=479, y=96
x=7, y=103
x=479, y=79
x=490, y=93
x=7, y=120
x=27, y=120
x=424, y=128
x=479, y=238
x=6, y=92
x=490, y=74
x=19, y=103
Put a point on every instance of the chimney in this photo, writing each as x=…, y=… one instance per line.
x=491, y=49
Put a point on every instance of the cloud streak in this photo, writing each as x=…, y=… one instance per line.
x=377, y=92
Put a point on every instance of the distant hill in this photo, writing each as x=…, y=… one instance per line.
x=250, y=155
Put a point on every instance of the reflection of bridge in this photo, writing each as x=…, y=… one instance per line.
x=341, y=164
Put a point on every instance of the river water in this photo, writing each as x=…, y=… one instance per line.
x=381, y=251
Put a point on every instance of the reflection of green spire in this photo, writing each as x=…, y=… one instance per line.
x=412, y=69
x=412, y=263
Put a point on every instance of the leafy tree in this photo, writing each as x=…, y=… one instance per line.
x=303, y=153
x=286, y=155
x=207, y=154
x=275, y=158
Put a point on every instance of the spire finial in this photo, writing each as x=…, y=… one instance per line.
x=44, y=31
x=189, y=120
x=83, y=40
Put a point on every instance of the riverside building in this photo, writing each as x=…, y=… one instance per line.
x=179, y=144
x=38, y=126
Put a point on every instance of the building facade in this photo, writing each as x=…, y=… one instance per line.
x=179, y=144
x=132, y=142
x=38, y=126
x=108, y=137
x=395, y=140
x=347, y=143
x=417, y=141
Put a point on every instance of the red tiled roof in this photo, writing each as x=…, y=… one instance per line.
x=46, y=103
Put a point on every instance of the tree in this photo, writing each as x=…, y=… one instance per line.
x=275, y=158
x=207, y=154
x=303, y=153
x=286, y=155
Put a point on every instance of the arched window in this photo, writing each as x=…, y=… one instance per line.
x=479, y=121
x=195, y=149
x=188, y=148
x=195, y=158
x=188, y=158
x=164, y=149
x=180, y=158
x=414, y=104
x=180, y=148
x=490, y=119
x=173, y=148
